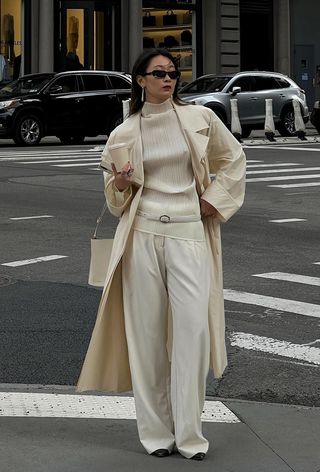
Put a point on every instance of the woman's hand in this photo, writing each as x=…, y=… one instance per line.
x=206, y=209
x=123, y=179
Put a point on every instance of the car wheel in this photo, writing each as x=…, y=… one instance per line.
x=286, y=126
x=28, y=131
x=72, y=139
x=246, y=131
x=220, y=115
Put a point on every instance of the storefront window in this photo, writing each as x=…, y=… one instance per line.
x=10, y=42
x=171, y=29
x=75, y=39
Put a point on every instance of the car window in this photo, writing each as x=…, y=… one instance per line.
x=283, y=83
x=68, y=84
x=118, y=82
x=25, y=85
x=206, y=85
x=94, y=82
x=244, y=82
x=265, y=83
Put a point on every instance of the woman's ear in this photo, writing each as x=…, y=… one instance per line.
x=140, y=81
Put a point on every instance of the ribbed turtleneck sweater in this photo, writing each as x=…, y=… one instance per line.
x=169, y=184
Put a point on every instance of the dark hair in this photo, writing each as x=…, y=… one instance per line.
x=139, y=68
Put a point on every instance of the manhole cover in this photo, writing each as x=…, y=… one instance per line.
x=4, y=281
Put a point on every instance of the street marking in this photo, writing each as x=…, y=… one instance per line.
x=274, y=165
x=48, y=405
x=252, y=160
x=306, y=184
x=32, y=261
x=300, y=279
x=317, y=263
x=280, y=304
x=283, y=177
x=91, y=160
x=286, y=361
x=277, y=171
x=42, y=155
x=301, y=352
x=74, y=165
x=287, y=148
x=31, y=217
x=287, y=220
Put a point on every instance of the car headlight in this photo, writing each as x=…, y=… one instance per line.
x=8, y=104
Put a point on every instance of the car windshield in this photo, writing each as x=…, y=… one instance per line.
x=24, y=85
x=206, y=85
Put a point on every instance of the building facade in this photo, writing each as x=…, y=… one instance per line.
x=206, y=36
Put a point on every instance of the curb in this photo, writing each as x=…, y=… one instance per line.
x=280, y=141
x=70, y=389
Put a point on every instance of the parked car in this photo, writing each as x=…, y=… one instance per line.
x=315, y=115
x=69, y=105
x=251, y=89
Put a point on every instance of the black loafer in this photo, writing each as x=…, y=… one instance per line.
x=199, y=456
x=161, y=453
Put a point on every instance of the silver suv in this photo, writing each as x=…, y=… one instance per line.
x=251, y=89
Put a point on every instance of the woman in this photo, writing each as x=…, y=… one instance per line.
x=161, y=312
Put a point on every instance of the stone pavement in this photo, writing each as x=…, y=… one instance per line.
x=52, y=429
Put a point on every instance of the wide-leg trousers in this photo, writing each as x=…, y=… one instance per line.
x=169, y=396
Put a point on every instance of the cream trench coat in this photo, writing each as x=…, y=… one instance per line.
x=213, y=150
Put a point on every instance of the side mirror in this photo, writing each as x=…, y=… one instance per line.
x=56, y=89
x=235, y=90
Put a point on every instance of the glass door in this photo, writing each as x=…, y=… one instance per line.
x=85, y=35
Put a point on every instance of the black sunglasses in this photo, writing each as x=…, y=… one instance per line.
x=160, y=74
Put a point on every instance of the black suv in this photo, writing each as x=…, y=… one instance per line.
x=69, y=105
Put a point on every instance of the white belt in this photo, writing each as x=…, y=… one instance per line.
x=169, y=219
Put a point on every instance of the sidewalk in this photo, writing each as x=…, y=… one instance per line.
x=258, y=138
x=244, y=436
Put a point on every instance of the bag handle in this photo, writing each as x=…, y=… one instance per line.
x=99, y=219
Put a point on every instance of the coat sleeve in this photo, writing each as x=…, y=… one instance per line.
x=226, y=159
x=117, y=201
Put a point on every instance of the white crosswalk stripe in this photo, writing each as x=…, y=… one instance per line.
x=258, y=171
x=283, y=177
x=79, y=164
x=280, y=304
x=64, y=158
x=305, y=184
x=307, y=353
x=281, y=164
x=301, y=352
x=48, y=405
x=279, y=171
x=287, y=220
x=297, y=278
x=290, y=171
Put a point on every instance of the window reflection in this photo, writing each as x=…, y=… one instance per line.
x=75, y=39
x=10, y=42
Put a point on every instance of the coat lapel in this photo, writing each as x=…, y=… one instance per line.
x=196, y=134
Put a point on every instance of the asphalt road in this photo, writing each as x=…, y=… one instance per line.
x=48, y=310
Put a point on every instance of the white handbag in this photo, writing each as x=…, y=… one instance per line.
x=100, y=256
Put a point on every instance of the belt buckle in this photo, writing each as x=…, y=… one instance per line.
x=164, y=219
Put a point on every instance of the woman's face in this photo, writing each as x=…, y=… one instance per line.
x=157, y=90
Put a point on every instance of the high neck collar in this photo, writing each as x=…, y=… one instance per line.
x=156, y=108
